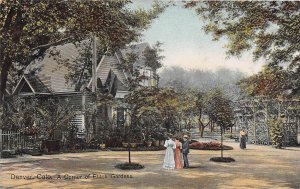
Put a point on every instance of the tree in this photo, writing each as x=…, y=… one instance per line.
x=181, y=80
x=140, y=101
x=27, y=32
x=153, y=58
x=187, y=107
x=269, y=28
x=202, y=104
x=221, y=112
x=18, y=114
x=271, y=81
x=54, y=114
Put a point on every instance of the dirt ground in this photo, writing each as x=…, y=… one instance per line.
x=256, y=167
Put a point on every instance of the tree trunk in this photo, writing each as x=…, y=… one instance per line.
x=221, y=142
x=3, y=80
x=202, y=131
x=212, y=127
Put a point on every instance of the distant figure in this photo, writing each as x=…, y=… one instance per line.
x=178, y=159
x=185, y=151
x=169, y=162
x=243, y=139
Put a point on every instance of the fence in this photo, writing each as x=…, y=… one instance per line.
x=12, y=140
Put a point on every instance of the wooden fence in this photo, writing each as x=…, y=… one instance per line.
x=12, y=140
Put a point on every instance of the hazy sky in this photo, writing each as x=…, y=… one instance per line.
x=185, y=43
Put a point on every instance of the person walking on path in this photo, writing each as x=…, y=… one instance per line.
x=185, y=151
x=178, y=159
x=169, y=162
x=243, y=139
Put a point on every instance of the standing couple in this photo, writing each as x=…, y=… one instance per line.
x=175, y=151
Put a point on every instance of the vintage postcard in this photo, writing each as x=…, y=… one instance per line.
x=149, y=94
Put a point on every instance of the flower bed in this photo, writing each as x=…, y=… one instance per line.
x=222, y=159
x=129, y=166
x=209, y=146
x=151, y=148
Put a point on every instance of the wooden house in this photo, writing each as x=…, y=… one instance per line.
x=46, y=78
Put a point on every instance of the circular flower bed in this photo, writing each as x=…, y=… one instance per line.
x=222, y=159
x=129, y=166
x=151, y=148
x=209, y=146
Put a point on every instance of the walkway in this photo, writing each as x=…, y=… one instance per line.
x=256, y=167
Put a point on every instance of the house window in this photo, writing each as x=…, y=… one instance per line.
x=120, y=117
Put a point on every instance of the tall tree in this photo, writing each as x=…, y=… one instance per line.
x=221, y=112
x=29, y=28
x=269, y=28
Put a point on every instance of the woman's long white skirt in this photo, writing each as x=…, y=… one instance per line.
x=169, y=162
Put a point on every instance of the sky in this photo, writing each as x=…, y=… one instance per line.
x=186, y=45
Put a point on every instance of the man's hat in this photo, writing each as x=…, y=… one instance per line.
x=185, y=136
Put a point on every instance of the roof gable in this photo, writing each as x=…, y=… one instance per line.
x=52, y=73
x=30, y=84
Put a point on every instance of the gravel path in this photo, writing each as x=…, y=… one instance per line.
x=256, y=167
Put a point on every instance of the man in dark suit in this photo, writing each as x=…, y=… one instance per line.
x=185, y=151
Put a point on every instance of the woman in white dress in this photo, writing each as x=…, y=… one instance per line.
x=169, y=162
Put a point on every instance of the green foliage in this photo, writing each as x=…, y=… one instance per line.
x=72, y=132
x=54, y=114
x=219, y=109
x=29, y=29
x=216, y=106
x=271, y=82
x=18, y=113
x=276, y=131
x=153, y=56
x=268, y=28
x=181, y=80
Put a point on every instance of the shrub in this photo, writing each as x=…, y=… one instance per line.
x=8, y=154
x=276, y=131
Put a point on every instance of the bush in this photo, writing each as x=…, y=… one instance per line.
x=276, y=131
x=8, y=154
x=209, y=146
x=129, y=166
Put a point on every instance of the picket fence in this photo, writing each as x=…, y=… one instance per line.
x=11, y=140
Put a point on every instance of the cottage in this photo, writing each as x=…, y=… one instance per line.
x=47, y=78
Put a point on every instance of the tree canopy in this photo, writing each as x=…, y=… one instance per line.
x=270, y=29
x=29, y=28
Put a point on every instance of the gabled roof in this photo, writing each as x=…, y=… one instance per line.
x=51, y=73
x=33, y=83
x=109, y=64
